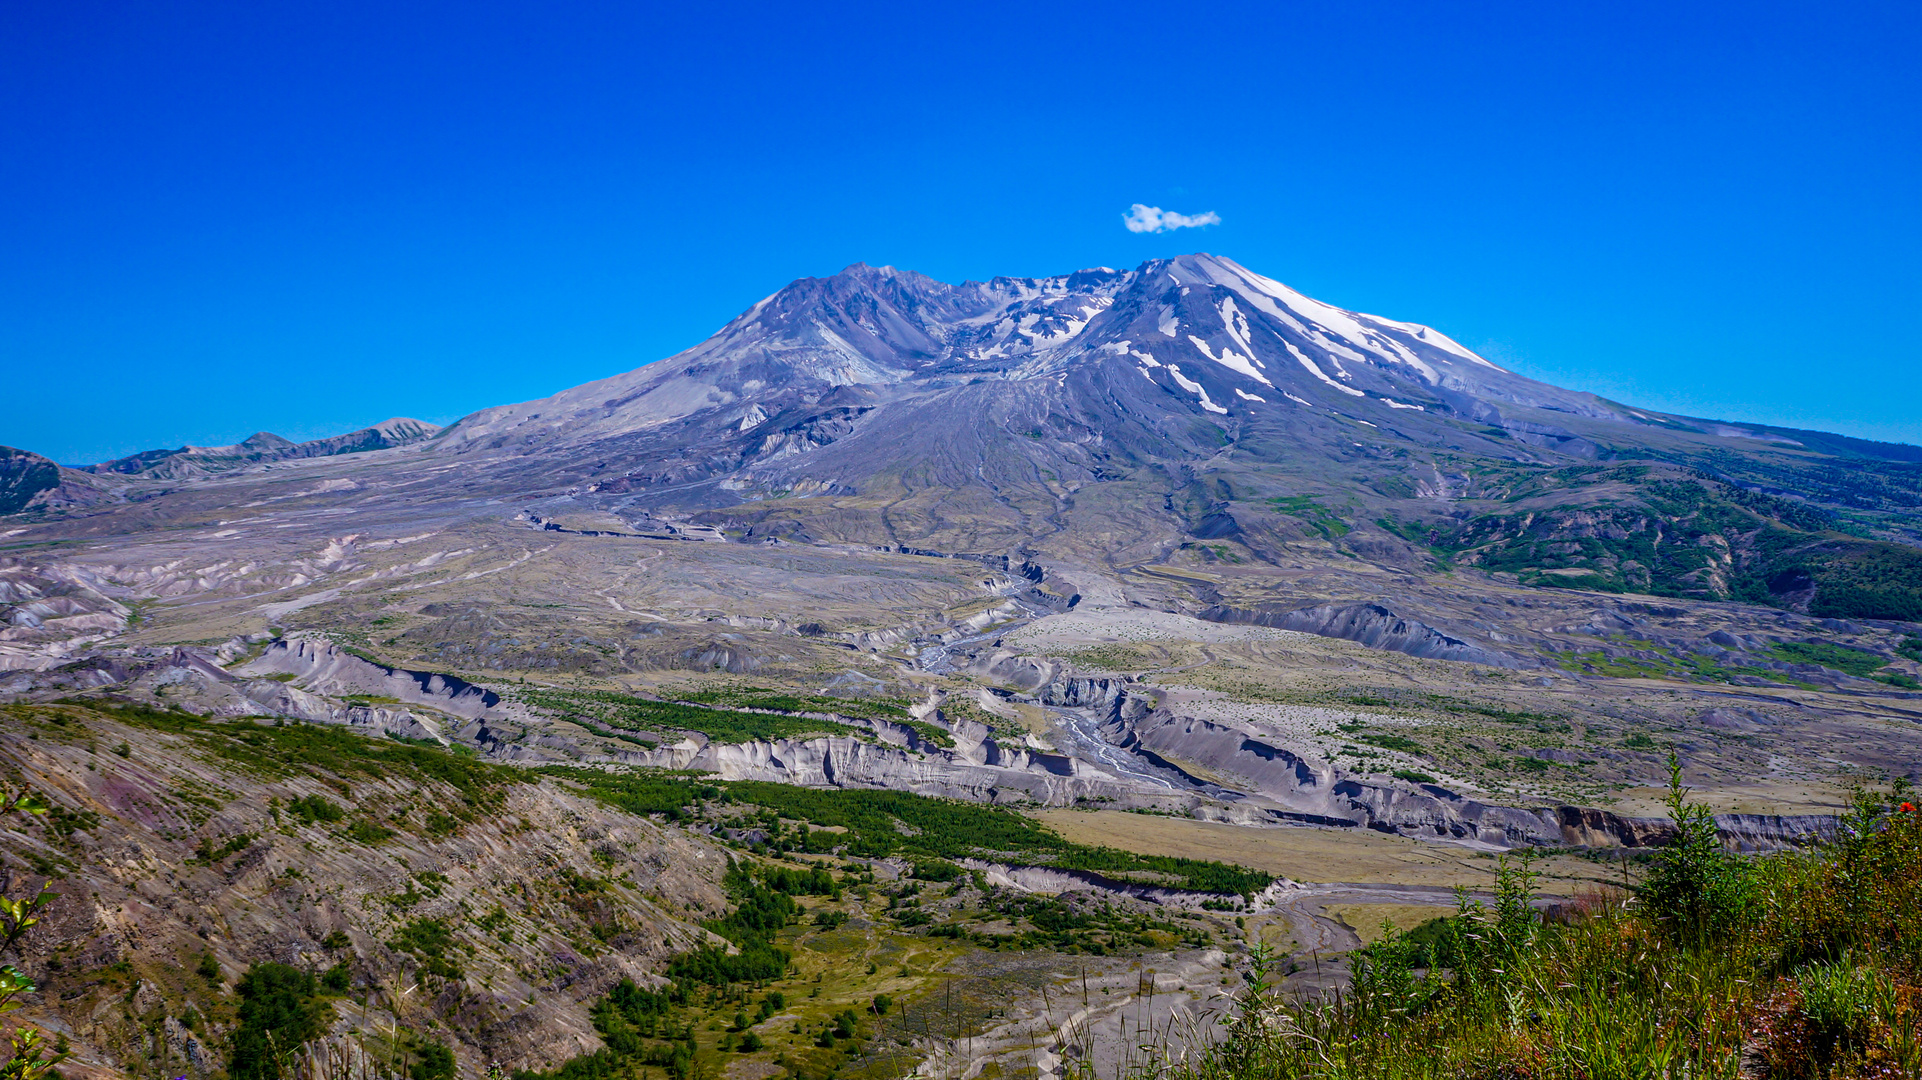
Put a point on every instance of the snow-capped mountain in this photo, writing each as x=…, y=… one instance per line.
x=873, y=359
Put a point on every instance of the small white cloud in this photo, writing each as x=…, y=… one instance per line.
x=1151, y=219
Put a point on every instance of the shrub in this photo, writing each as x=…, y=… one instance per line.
x=207, y=852
x=434, y=1061
x=846, y=1024
x=936, y=870
x=314, y=808
x=759, y=912
x=367, y=832
x=1697, y=889
x=278, y=1012
x=430, y=940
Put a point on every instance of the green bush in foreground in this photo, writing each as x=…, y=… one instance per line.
x=1793, y=965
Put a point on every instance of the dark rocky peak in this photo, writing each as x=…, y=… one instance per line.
x=261, y=442
x=24, y=475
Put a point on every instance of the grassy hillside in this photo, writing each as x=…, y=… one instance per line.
x=1794, y=965
x=1636, y=529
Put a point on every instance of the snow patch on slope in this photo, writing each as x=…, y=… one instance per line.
x=1315, y=371
x=1232, y=360
x=1195, y=388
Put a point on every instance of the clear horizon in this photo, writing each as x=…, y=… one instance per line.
x=222, y=219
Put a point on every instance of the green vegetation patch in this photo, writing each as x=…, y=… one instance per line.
x=1097, y=930
x=605, y=707
x=312, y=808
x=878, y=824
x=210, y=851
x=1863, y=579
x=1858, y=662
x=280, y=1008
x=1312, y=513
x=646, y=791
x=643, y=1030
x=432, y=943
x=1697, y=537
x=1394, y=742
x=1911, y=647
x=282, y=750
x=929, y=733
x=757, y=697
x=761, y=908
x=1672, y=664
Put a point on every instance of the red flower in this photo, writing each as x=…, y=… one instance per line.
x=1908, y=808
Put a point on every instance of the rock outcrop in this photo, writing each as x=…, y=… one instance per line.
x=320, y=666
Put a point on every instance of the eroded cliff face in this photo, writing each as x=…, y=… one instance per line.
x=1243, y=773
x=1372, y=625
x=173, y=840
x=979, y=769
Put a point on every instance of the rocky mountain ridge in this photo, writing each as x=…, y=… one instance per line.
x=262, y=447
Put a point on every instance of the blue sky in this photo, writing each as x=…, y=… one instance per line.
x=302, y=217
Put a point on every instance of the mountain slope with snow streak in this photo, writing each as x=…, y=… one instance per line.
x=826, y=359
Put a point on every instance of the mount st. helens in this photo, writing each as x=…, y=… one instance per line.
x=1221, y=403
x=883, y=382
x=976, y=417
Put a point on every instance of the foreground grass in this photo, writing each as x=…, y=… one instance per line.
x=1794, y=965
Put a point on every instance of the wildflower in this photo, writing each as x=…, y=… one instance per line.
x=1908, y=808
